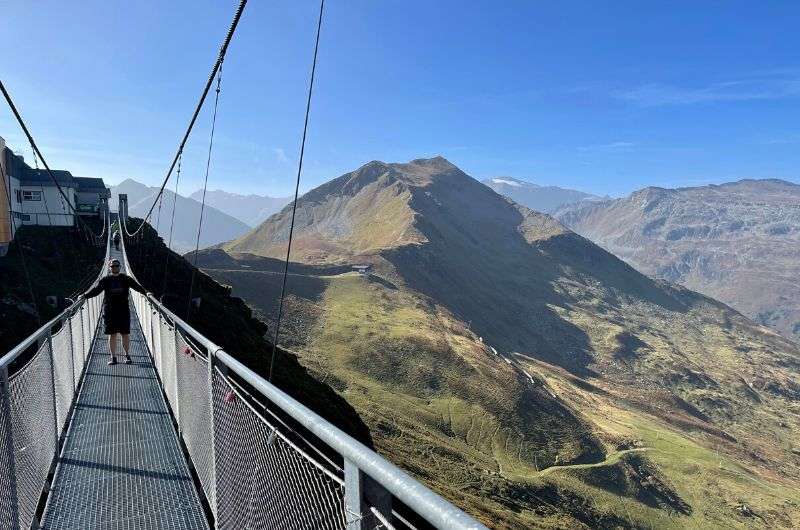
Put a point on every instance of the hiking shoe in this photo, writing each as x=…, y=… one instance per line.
x=127, y=359
x=113, y=360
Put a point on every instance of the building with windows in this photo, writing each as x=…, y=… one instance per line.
x=38, y=200
x=91, y=196
x=363, y=269
x=30, y=197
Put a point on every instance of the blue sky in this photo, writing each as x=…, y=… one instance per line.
x=604, y=98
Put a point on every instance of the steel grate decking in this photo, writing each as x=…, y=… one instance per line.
x=121, y=466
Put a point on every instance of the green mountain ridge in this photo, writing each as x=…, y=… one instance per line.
x=519, y=369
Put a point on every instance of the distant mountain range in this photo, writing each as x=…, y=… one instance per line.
x=250, y=209
x=217, y=226
x=737, y=242
x=545, y=199
x=521, y=370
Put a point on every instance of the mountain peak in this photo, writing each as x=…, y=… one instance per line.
x=217, y=226
x=382, y=206
x=509, y=181
x=131, y=182
x=547, y=199
x=251, y=209
x=438, y=162
x=651, y=193
x=422, y=171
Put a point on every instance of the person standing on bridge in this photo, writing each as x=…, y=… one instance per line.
x=116, y=310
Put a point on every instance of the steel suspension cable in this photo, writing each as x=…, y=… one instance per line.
x=105, y=224
x=91, y=275
x=41, y=190
x=85, y=281
x=205, y=187
x=221, y=57
x=39, y=153
x=171, y=226
x=59, y=261
x=158, y=217
x=14, y=229
x=296, y=191
x=146, y=262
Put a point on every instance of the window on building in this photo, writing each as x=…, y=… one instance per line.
x=22, y=216
x=31, y=195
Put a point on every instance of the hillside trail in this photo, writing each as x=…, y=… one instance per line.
x=279, y=273
x=611, y=459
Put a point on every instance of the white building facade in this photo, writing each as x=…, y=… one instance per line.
x=30, y=197
x=35, y=199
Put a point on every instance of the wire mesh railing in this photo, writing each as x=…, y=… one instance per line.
x=256, y=471
x=38, y=382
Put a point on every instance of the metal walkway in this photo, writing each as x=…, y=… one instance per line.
x=121, y=466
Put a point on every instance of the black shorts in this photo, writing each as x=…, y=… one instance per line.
x=117, y=320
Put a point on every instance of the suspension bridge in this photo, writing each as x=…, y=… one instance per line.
x=185, y=437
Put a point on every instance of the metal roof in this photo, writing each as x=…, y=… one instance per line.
x=92, y=185
x=27, y=176
x=39, y=177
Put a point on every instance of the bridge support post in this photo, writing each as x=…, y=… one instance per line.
x=83, y=330
x=53, y=390
x=149, y=327
x=68, y=324
x=213, y=500
x=5, y=407
x=354, y=505
x=361, y=494
x=174, y=360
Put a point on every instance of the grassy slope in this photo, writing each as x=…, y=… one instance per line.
x=677, y=366
x=228, y=322
x=453, y=443
x=437, y=401
x=710, y=475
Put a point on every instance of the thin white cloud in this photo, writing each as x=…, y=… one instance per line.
x=613, y=147
x=785, y=140
x=768, y=87
x=280, y=154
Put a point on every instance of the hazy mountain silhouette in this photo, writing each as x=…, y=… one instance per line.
x=546, y=199
x=217, y=226
x=250, y=209
x=737, y=242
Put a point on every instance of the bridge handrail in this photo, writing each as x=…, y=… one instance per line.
x=357, y=457
x=36, y=401
x=42, y=332
x=411, y=492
